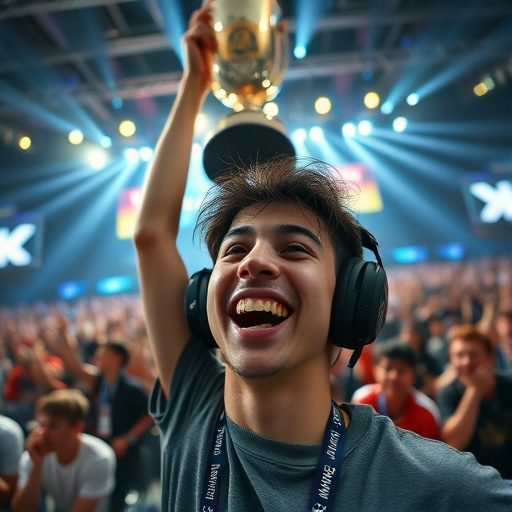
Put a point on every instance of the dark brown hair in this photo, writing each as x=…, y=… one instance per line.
x=119, y=348
x=305, y=182
x=70, y=404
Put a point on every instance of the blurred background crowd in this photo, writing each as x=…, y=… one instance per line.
x=46, y=346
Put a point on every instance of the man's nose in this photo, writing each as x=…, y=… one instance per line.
x=260, y=262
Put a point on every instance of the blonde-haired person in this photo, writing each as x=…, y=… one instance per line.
x=76, y=470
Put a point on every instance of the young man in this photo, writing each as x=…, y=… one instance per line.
x=258, y=432
x=75, y=469
x=394, y=394
x=477, y=406
x=119, y=407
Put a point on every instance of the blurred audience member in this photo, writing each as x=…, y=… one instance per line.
x=477, y=406
x=75, y=469
x=34, y=373
x=394, y=394
x=437, y=343
x=12, y=440
x=427, y=367
x=120, y=407
x=503, y=327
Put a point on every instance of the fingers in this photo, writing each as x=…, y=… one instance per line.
x=202, y=15
x=35, y=440
x=200, y=26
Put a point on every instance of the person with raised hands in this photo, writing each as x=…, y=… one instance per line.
x=255, y=429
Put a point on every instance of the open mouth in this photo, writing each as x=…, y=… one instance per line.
x=259, y=313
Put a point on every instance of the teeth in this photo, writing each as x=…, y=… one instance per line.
x=270, y=306
x=262, y=326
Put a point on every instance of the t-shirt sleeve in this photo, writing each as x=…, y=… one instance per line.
x=198, y=377
x=24, y=469
x=99, y=478
x=11, y=448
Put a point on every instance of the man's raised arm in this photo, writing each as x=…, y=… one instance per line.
x=162, y=273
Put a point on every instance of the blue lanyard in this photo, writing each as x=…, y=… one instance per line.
x=210, y=498
x=325, y=483
x=106, y=392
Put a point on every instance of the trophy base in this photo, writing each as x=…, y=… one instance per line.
x=243, y=138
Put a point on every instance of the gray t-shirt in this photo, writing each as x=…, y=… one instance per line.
x=384, y=468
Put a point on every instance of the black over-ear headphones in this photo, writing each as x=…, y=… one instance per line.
x=358, y=308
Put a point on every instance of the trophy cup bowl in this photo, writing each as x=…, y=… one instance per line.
x=249, y=67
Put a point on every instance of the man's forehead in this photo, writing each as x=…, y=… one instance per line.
x=279, y=213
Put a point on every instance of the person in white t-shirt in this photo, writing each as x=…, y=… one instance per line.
x=75, y=469
x=12, y=439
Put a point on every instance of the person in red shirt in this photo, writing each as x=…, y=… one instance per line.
x=394, y=395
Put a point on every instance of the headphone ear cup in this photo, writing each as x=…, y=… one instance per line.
x=195, y=306
x=359, y=304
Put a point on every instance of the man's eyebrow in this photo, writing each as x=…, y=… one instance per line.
x=293, y=228
x=241, y=230
x=281, y=229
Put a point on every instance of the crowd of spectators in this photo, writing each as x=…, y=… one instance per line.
x=47, y=346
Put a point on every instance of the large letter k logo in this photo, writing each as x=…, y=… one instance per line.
x=11, y=245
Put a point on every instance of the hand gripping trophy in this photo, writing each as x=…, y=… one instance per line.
x=249, y=68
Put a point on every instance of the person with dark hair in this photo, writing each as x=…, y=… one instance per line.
x=477, y=406
x=256, y=429
x=428, y=368
x=394, y=394
x=119, y=407
x=75, y=469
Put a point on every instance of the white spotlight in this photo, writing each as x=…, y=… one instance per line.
x=97, y=158
x=348, y=129
x=132, y=155
x=364, y=128
x=201, y=122
x=197, y=150
x=299, y=135
x=316, y=133
x=400, y=124
x=270, y=110
x=145, y=153
x=412, y=99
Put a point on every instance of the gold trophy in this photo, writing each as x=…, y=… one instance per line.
x=249, y=68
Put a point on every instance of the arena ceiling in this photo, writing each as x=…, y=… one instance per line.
x=66, y=63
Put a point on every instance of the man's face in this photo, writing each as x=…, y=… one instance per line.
x=394, y=375
x=106, y=358
x=467, y=356
x=270, y=293
x=56, y=432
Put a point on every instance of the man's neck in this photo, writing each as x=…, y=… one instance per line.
x=67, y=453
x=111, y=376
x=294, y=412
